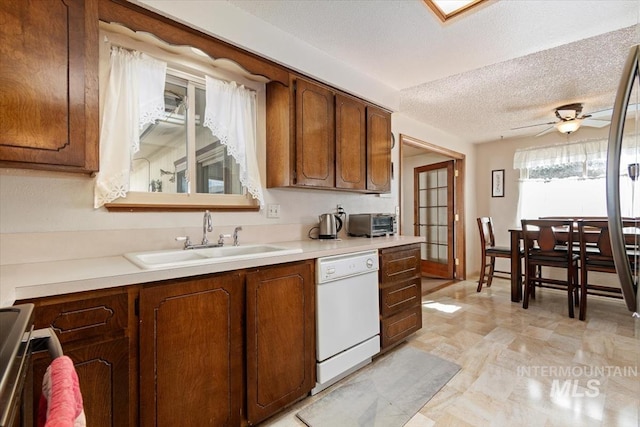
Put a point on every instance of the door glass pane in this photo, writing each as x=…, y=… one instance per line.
x=442, y=177
x=424, y=198
x=432, y=179
x=432, y=197
x=422, y=180
x=442, y=196
x=432, y=215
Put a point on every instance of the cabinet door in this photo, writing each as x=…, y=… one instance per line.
x=103, y=374
x=399, y=263
x=191, y=352
x=280, y=338
x=351, y=143
x=396, y=328
x=49, y=84
x=378, y=150
x=315, y=135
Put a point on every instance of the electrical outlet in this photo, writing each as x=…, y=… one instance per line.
x=339, y=208
x=273, y=211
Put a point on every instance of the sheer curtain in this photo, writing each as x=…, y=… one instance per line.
x=230, y=114
x=134, y=97
x=575, y=196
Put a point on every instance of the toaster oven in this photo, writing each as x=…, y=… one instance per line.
x=372, y=225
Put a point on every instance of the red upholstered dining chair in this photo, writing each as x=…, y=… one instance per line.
x=549, y=243
x=489, y=253
x=596, y=255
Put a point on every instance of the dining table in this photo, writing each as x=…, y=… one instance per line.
x=515, y=238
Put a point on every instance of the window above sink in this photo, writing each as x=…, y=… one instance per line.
x=182, y=164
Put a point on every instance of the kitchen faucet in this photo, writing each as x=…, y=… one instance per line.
x=207, y=225
x=235, y=235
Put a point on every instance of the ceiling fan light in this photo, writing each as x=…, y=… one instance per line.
x=568, y=126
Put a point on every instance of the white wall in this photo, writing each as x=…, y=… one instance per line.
x=499, y=155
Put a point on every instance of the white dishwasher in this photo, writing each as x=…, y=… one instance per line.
x=347, y=315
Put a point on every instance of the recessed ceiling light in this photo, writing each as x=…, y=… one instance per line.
x=446, y=9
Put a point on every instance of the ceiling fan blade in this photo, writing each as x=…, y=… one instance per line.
x=596, y=123
x=606, y=114
x=551, y=129
x=530, y=126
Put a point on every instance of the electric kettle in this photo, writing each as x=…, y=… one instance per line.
x=330, y=225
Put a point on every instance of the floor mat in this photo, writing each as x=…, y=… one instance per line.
x=387, y=393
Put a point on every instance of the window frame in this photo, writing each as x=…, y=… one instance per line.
x=184, y=59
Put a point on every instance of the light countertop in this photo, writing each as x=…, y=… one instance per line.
x=33, y=280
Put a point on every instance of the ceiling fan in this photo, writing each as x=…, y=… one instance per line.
x=570, y=119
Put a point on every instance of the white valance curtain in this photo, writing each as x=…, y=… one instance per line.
x=134, y=97
x=230, y=114
x=568, y=153
x=571, y=196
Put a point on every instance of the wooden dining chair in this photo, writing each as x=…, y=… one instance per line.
x=596, y=255
x=549, y=243
x=489, y=253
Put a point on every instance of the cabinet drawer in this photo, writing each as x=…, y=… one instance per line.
x=399, y=326
x=400, y=296
x=81, y=317
x=400, y=263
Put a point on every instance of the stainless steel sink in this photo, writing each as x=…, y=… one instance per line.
x=184, y=258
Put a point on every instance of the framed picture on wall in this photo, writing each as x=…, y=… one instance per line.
x=497, y=183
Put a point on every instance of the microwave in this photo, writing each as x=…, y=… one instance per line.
x=372, y=225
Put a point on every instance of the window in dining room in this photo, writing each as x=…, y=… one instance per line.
x=570, y=180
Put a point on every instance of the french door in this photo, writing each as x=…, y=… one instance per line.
x=434, y=217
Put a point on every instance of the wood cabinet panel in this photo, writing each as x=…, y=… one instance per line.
x=280, y=338
x=81, y=317
x=103, y=374
x=400, y=296
x=191, y=352
x=400, y=263
x=280, y=136
x=378, y=150
x=49, y=84
x=315, y=133
x=351, y=143
x=399, y=326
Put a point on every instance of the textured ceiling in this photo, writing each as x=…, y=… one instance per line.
x=506, y=64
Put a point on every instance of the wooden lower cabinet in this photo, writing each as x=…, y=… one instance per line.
x=280, y=338
x=191, y=352
x=93, y=328
x=225, y=349
x=400, y=293
x=103, y=374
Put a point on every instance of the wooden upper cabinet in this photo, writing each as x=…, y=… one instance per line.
x=49, y=84
x=318, y=137
x=351, y=143
x=315, y=135
x=378, y=150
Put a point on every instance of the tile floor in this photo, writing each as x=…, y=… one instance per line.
x=534, y=367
